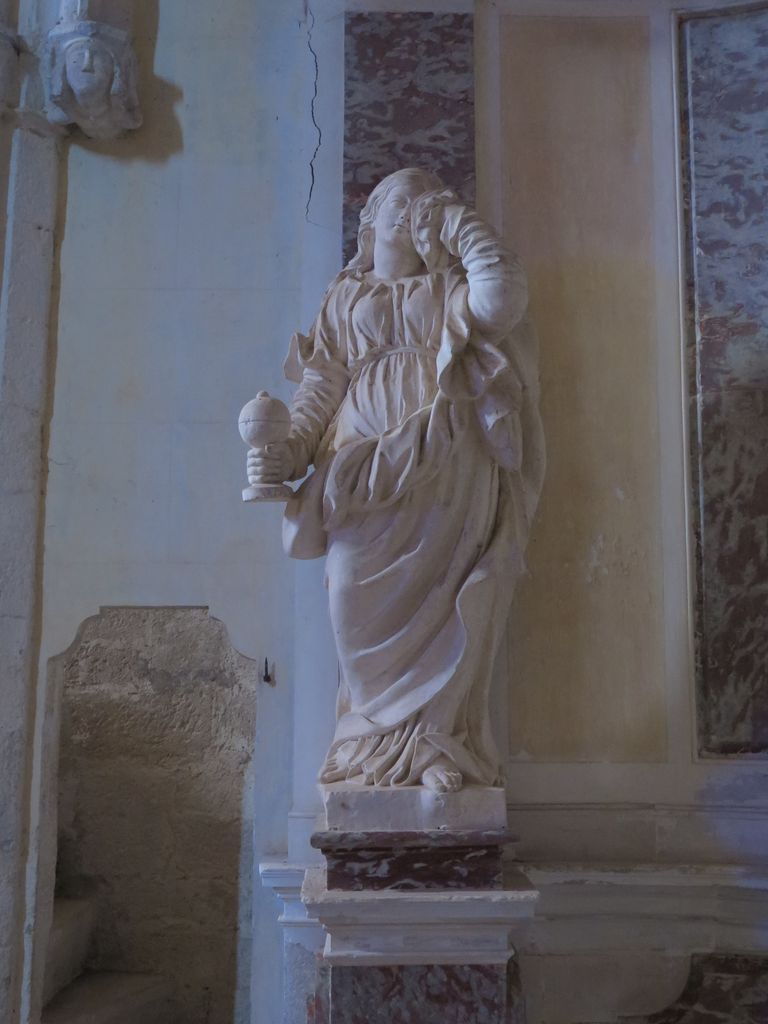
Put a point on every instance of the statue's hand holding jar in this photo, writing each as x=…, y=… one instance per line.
x=272, y=464
x=265, y=426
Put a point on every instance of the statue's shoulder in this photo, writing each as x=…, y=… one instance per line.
x=345, y=283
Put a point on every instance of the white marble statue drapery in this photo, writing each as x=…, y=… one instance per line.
x=418, y=407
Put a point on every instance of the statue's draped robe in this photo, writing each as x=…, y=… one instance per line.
x=418, y=405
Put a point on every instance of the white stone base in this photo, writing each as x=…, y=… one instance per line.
x=468, y=926
x=285, y=880
x=353, y=807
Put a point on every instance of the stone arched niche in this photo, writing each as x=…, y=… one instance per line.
x=157, y=733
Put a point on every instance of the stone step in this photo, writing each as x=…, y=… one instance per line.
x=111, y=998
x=73, y=922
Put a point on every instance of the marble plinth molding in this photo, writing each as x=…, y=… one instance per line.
x=389, y=927
x=435, y=860
x=357, y=808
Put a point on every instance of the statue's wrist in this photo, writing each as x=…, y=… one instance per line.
x=450, y=233
x=295, y=454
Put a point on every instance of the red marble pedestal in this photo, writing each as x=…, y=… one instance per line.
x=419, y=928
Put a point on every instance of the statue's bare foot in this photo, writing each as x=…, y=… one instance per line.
x=442, y=778
x=337, y=764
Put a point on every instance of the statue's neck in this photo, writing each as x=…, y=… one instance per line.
x=391, y=262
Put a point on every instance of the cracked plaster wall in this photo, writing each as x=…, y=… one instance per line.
x=187, y=261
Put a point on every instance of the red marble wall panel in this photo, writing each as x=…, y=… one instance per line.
x=427, y=993
x=725, y=68
x=409, y=101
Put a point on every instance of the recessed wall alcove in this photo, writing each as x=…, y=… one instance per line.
x=155, y=798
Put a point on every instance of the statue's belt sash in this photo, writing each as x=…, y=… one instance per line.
x=375, y=355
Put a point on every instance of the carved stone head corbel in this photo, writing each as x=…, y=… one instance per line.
x=91, y=79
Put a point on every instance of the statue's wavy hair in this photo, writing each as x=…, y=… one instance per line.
x=425, y=181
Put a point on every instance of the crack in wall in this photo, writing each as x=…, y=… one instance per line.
x=309, y=15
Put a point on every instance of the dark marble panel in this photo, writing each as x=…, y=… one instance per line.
x=423, y=868
x=430, y=994
x=734, y=646
x=401, y=860
x=725, y=64
x=721, y=989
x=409, y=101
x=426, y=860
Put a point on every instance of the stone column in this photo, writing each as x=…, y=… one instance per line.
x=29, y=162
x=30, y=157
x=418, y=916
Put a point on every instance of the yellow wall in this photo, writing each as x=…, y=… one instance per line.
x=587, y=655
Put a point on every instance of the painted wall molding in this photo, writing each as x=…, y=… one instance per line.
x=690, y=909
x=696, y=783
x=657, y=834
x=285, y=879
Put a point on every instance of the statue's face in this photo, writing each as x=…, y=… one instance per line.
x=393, y=218
x=90, y=70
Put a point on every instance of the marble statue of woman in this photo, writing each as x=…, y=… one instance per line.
x=417, y=406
